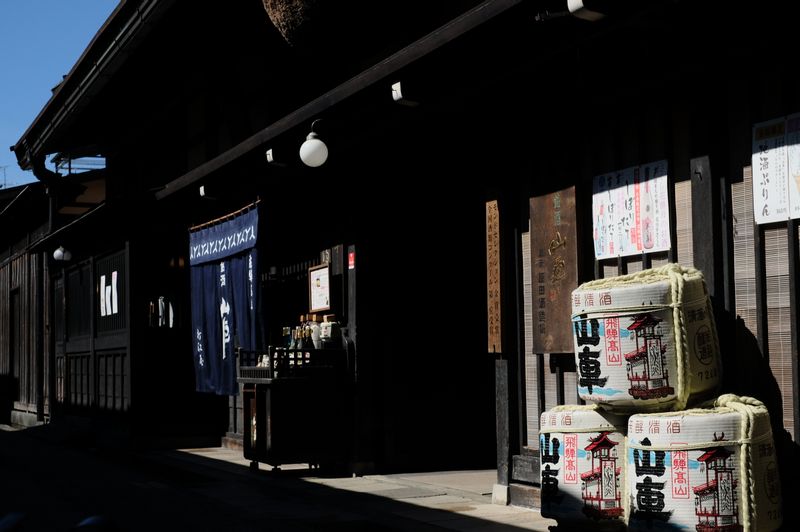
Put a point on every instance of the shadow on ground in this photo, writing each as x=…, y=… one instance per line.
x=52, y=478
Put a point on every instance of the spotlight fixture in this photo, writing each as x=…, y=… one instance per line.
x=399, y=97
x=579, y=9
x=62, y=254
x=313, y=152
x=204, y=193
x=275, y=156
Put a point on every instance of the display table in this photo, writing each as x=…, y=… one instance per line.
x=297, y=407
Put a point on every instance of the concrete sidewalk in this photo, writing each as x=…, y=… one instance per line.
x=451, y=500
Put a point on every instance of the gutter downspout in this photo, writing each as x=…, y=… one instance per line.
x=50, y=179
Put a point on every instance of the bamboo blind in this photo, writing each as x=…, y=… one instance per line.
x=779, y=328
x=531, y=362
x=776, y=249
x=744, y=265
x=659, y=259
x=683, y=223
x=550, y=384
x=531, y=400
x=527, y=289
x=634, y=263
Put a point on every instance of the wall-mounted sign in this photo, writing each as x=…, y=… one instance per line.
x=630, y=211
x=776, y=170
x=109, y=301
x=554, y=268
x=493, y=276
x=319, y=288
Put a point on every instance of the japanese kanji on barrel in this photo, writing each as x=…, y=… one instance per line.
x=711, y=468
x=581, y=463
x=646, y=342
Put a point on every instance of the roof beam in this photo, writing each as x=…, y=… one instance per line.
x=418, y=49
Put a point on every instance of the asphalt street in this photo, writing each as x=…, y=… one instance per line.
x=51, y=479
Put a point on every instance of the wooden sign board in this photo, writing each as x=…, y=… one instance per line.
x=554, y=268
x=493, y=276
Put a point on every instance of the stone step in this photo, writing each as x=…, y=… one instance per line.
x=524, y=496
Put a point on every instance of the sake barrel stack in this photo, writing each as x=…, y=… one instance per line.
x=581, y=451
x=646, y=342
x=707, y=469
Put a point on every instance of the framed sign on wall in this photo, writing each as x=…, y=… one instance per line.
x=319, y=288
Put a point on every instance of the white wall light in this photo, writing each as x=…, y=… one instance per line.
x=62, y=254
x=399, y=97
x=313, y=152
x=577, y=8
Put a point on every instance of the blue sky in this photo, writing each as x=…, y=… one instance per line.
x=40, y=40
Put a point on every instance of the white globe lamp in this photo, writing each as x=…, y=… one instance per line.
x=313, y=152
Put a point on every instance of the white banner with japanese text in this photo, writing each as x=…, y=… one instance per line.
x=630, y=211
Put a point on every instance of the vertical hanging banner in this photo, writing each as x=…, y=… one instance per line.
x=554, y=267
x=630, y=211
x=224, y=279
x=770, y=171
x=493, y=276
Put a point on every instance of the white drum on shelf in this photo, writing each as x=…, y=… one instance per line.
x=705, y=469
x=646, y=342
x=581, y=451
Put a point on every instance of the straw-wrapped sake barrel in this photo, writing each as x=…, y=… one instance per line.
x=705, y=469
x=646, y=342
x=581, y=451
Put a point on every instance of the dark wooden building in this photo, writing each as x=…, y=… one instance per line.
x=502, y=100
x=422, y=394
x=24, y=369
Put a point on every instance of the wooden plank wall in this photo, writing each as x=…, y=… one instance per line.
x=5, y=319
x=678, y=135
x=92, y=365
x=19, y=275
x=777, y=323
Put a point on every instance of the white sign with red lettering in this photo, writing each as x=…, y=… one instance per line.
x=630, y=211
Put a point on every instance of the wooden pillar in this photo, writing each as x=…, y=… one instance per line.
x=761, y=290
x=794, y=301
x=707, y=225
x=38, y=348
x=503, y=266
x=501, y=420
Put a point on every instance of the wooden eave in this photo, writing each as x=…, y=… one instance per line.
x=94, y=68
x=454, y=29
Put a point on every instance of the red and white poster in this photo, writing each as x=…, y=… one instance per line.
x=630, y=211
